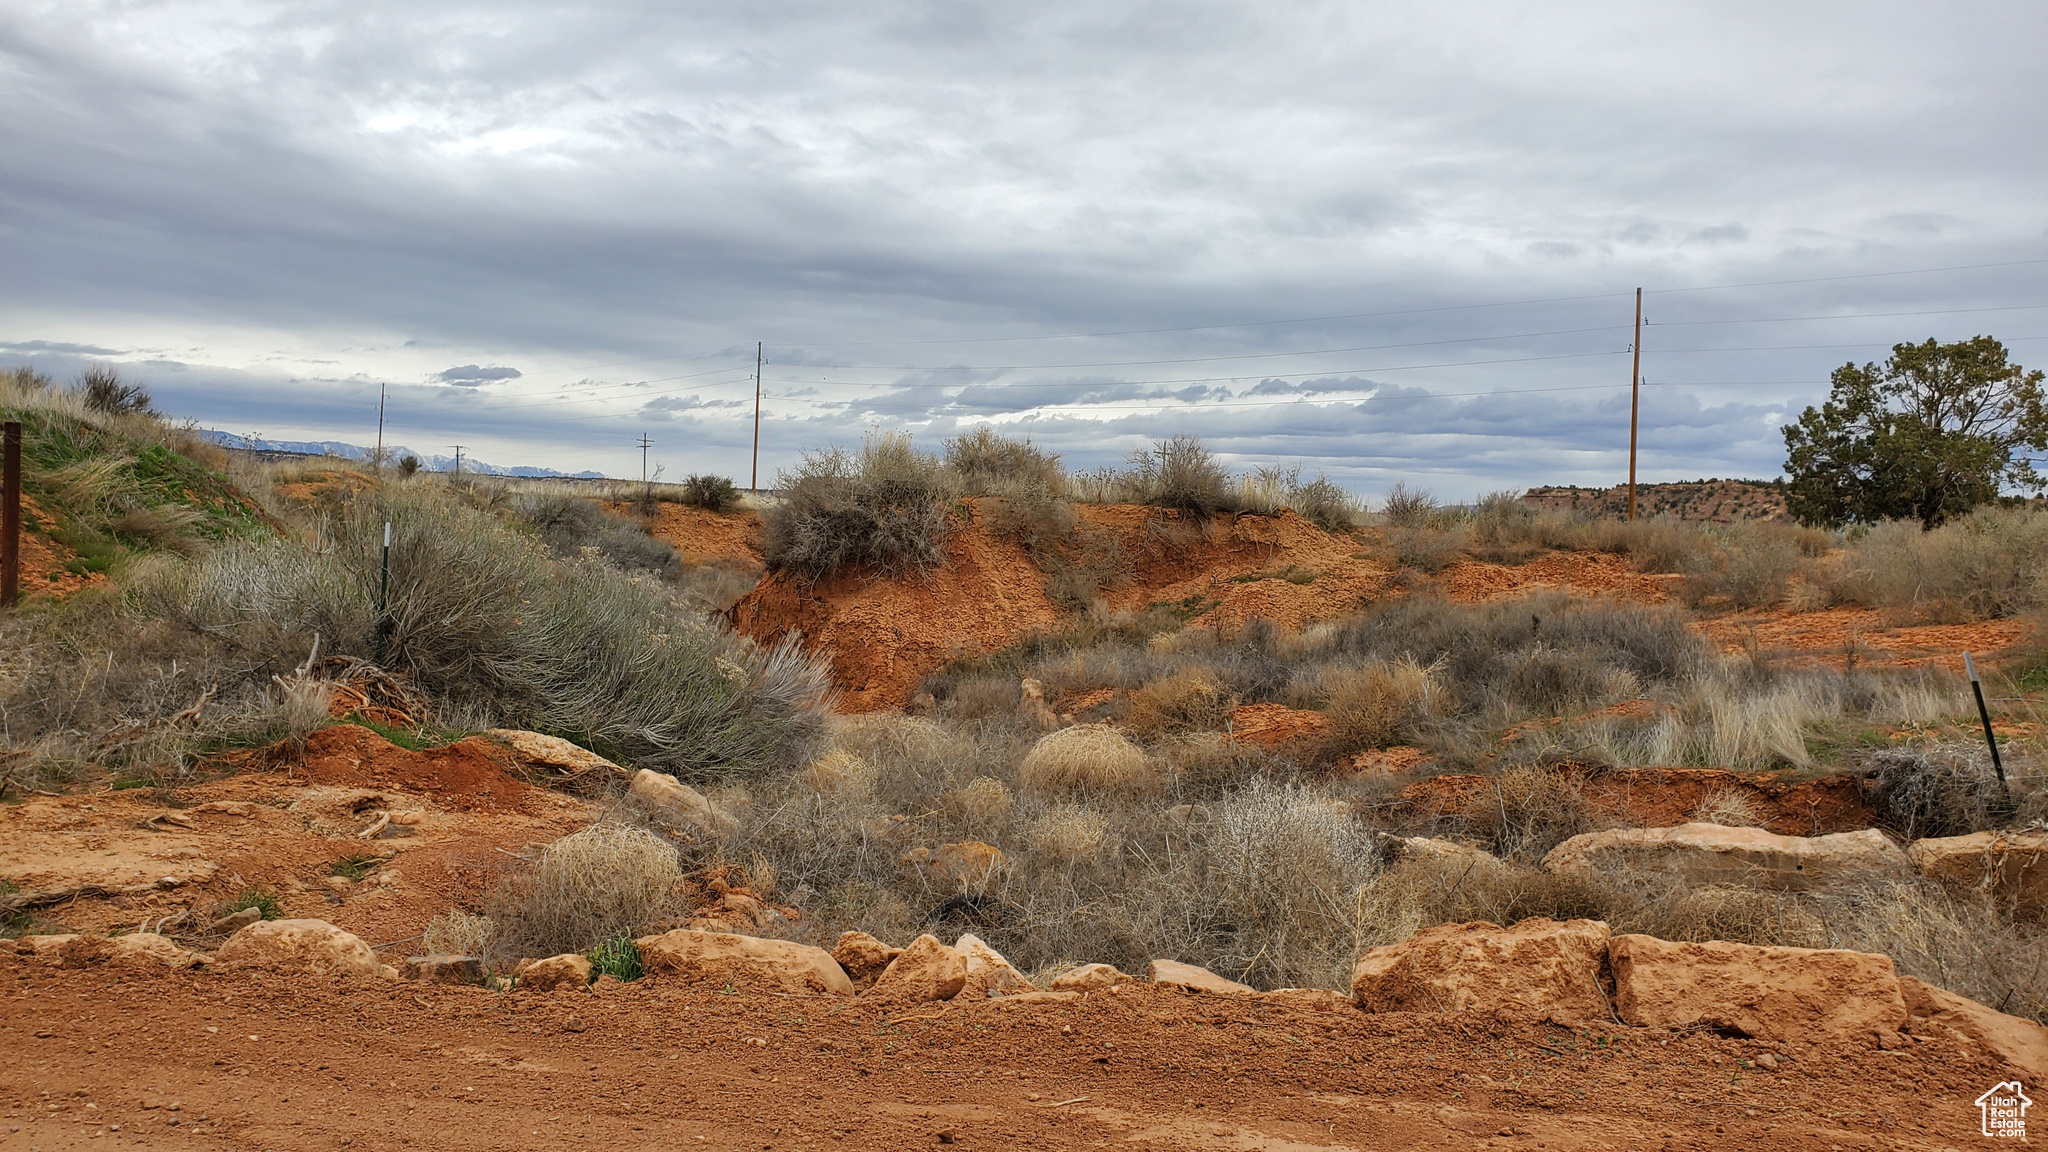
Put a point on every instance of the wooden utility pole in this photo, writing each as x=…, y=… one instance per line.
x=754, y=481
x=458, y=460
x=10, y=516
x=378, y=460
x=1635, y=399
x=646, y=480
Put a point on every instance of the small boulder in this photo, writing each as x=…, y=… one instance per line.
x=1189, y=978
x=1089, y=978
x=743, y=961
x=445, y=968
x=678, y=803
x=924, y=970
x=989, y=976
x=47, y=948
x=234, y=922
x=2010, y=867
x=1538, y=967
x=142, y=949
x=569, y=970
x=1418, y=852
x=1778, y=994
x=966, y=866
x=151, y=949
x=863, y=957
x=312, y=946
x=1750, y=857
x=2022, y=1044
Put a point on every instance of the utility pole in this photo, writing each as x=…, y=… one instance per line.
x=10, y=515
x=754, y=482
x=458, y=460
x=645, y=479
x=1635, y=399
x=378, y=460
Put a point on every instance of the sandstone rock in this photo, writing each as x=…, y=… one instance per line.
x=143, y=949
x=1089, y=978
x=1752, y=857
x=1780, y=994
x=228, y=807
x=1537, y=967
x=1434, y=852
x=967, y=865
x=863, y=957
x=445, y=968
x=746, y=962
x=2022, y=1044
x=47, y=948
x=566, y=762
x=2010, y=867
x=1316, y=999
x=234, y=922
x=150, y=948
x=924, y=970
x=1189, y=978
x=312, y=946
x=989, y=976
x=679, y=804
x=387, y=972
x=568, y=970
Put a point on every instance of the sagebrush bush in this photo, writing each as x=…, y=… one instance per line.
x=1405, y=507
x=1188, y=700
x=1376, y=705
x=1988, y=565
x=101, y=389
x=1181, y=475
x=569, y=525
x=1748, y=565
x=986, y=463
x=884, y=510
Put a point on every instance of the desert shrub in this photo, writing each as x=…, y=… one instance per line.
x=1990, y=564
x=1087, y=758
x=1071, y=834
x=981, y=803
x=1535, y=808
x=1322, y=502
x=102, y=390
x=1208, y=765
x=712, y=493
x=408, y=465
x=584, y=890
x=1425, y=549
x=618, y=958
x=1946, y=790
x=1181, y=475
x=1728, y=808
x=1965, y=946
x=988, y=464
x=1748, y=566
x=1373, y=706
x=263, y=900
x=882, y=510
x=26, y=379
x=1191, y=699
x=1406, y=507
x=569, y=525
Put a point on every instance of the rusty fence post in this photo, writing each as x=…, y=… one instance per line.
x=10, y=516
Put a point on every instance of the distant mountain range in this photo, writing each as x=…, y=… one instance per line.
x=392, y=453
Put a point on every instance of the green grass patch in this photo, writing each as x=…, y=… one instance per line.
x=618, y=958
x=415, y=739
x=354, y=868
x=262, y=899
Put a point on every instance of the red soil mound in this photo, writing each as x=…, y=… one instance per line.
x=1662, y=797
x=470, y=775
x=885, y=635
x=1576, y=573
x=704, y=537
x=45, y=562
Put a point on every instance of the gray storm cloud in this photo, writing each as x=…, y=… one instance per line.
x=1383, y=240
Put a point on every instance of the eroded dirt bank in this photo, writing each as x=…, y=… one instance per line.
x=243, y=1061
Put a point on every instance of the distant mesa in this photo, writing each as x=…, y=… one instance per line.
x=392, y=453
x=1695, y=501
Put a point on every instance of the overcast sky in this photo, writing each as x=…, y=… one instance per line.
x=1381, y=240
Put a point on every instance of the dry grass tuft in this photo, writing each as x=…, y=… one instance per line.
x=840, y=771
x=1728, y=808
x=1374, y=706
x=1071, y=834
x=1191, y=699
x=599, y=884
x=1088, y=759
x=457, y=933
x=982, y=802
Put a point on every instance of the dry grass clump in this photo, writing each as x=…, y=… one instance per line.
x=1747, y=565
x=1180, y=475
x=1965, y=946
x=883, y=509
x=982, y=802
x=458, y=933
x=1071, y=834
x=1950, y=790
x=1208, y=765
x=1269, y=489
x=1728, y=808
x=1189, y=699
x=986, y=463
x=573, y=527
x=1089, y=759
x=1535, y=808
x=599, y=884
x=1373, y=706
x=840, y=771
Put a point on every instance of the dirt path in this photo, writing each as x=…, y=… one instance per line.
x=238, y=1061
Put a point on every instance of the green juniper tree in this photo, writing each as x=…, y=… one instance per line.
x=1933, y=432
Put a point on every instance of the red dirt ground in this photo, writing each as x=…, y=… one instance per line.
x=101, y=1058
x=43, y=558
x=703, y=537
x=1662, y=797
x=1862, y=637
